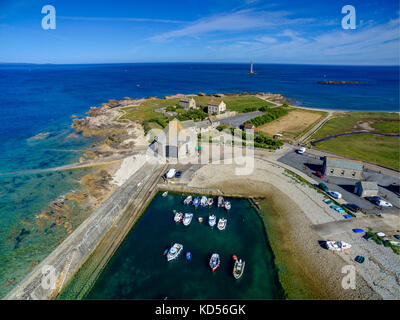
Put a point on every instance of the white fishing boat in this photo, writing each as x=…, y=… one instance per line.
x=337, y=245
x=174, y=251
x=203, y=201
x=188, y=200
x=220, y=201
x=238, y=268
x=165, y=194
x=212, y=220
x=227, y=205
x=178, y=217
x=187, y=219
x=215, y=261
x=222, y=224
x=210, y=201
x=200, y=219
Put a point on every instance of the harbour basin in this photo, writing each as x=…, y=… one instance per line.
x=139, y=270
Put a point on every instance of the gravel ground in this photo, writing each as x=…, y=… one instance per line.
x=300, y=208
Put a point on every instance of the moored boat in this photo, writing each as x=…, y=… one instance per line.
x=188, y=255
x=221, y=202
x=200, y=219
x=165, y=252
x=165, y=194
x=337, y=245
x=203, y=201
x=187, y=219
x=238, y=268
x=188, y=200
x=227, y=205
x=210, y=201
x=178, y=217
x=174, y=251
x=222, y=224
x=212, y=220
x=214, y=261
x=196, y=202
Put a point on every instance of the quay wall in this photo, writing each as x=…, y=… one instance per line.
x=116, y=216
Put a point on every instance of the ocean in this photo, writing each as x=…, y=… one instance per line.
x=43, y=98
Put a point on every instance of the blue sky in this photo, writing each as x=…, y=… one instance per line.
x=285, y=31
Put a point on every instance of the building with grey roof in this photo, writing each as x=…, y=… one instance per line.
x=366, y=188
x=338, y=167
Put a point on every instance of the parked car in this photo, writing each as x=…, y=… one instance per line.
x=383, y=203
x=337, y=208
x=335, y=194
x=319, y=174
x=301, y=150
x=379, y=201
x=178, y=174
x=323, y=186
x=352, y=207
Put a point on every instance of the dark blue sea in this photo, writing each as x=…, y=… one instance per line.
x=43, y=98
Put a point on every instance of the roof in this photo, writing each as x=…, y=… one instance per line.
x=215, y=103
x=343, y=163
x=369, y=185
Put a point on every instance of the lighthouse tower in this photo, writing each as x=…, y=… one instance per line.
x=251, y=68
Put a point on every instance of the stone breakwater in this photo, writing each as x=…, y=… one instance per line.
x=122, y=208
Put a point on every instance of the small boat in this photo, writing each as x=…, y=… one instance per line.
x=359, y=259
x=200, y=219
x=165, y=194
x=187, y=219
x=188, y=255
x=238, y=268
x=165, y=252
x=188, y=200
x=210, y=201
x=221, y=202
x=174, y=251
x=214, y=261
x=337, y=245
x=227, y=205
x=395, y=243
x=358, y=230
x=178, y=217
x=380, y=234
x=222, y=224
x=212, y=220
x=203, y=201
x=196, y=201
x=397, y=236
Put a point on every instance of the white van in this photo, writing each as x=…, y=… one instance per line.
x=171, y=173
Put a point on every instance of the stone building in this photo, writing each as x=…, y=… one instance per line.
x=188, y=103
x=337, y=167
x=175, y=141
x=366, y=188
x=216, y=108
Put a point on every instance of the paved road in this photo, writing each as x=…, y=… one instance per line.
x=238, y=120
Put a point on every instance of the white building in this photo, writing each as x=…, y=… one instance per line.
x=216, y=108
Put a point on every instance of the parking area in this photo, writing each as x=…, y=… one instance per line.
x=309, y=164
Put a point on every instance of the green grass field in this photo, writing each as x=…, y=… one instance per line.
x=384, y=151
x=145, y=111
x=382, y=122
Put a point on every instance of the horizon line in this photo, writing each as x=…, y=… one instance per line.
x=199, y=62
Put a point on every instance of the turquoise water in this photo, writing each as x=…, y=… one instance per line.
x=138, y=269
